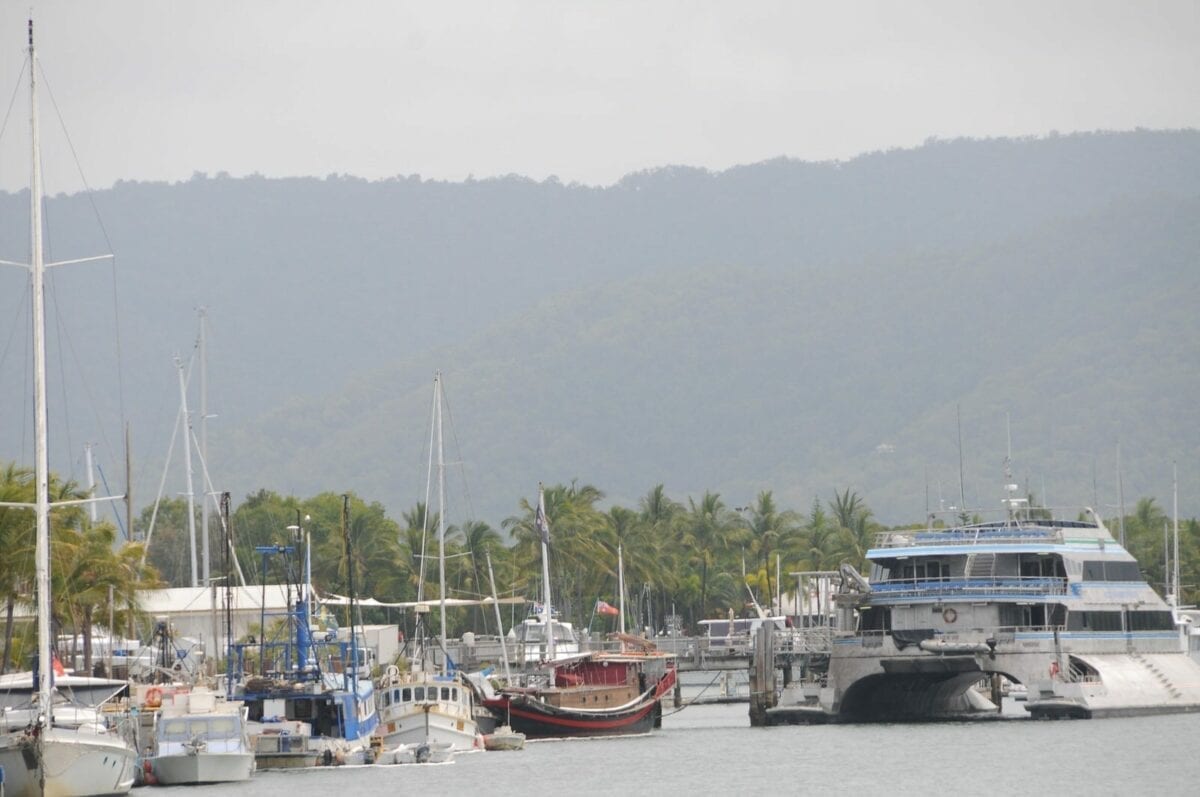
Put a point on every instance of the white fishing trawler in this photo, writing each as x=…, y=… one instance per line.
x=430, y=705
x=200, y=737
x=1056, y=606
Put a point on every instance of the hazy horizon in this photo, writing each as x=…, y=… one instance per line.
x=158, y=91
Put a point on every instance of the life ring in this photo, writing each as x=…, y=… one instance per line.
x=153, y=697
x=949, y=615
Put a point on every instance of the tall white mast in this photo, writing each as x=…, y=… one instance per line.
x=441, y=474
x=186, y=420
x=91, y=479
x=41, y=453
x=543, y=527
x=499, y=622
x=203, y=346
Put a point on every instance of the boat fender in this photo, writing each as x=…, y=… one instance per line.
x=153, y=697
x=949, y=615
x=423, y=754
x=148, y=776
x=1053, y=670
x=327, y=758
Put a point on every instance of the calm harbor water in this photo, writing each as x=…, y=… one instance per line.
x=711, y=749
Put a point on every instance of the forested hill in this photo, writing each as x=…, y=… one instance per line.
x=784, y=325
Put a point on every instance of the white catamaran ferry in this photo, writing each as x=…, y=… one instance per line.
x=1057, y=606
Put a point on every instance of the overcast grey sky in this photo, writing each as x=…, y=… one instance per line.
x=586, y=91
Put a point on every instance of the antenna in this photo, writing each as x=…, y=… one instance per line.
x=1175, y=512
x=962, y=494
x=1120, y=495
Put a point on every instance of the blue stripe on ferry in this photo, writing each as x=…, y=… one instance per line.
x=963, y=550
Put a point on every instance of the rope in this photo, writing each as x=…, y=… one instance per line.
x=697, y=697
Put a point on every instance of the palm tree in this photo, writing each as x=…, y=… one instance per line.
x=579, y=542
x=769, y=528
x=475, y=538
x=17, y=530
x=854, y=523
x=816, y=545
x=708, y=529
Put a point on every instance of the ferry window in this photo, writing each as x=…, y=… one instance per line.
x=407, y=695
x=1150, y=621
x=445, y=693
x=396, y=695
x=387, y=698
x=419, y=693
x=1111, y=571
x=1121, y=571
x=454, y=694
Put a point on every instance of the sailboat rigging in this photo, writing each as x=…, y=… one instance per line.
x=60, y=752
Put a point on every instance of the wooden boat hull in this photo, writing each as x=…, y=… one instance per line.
x=538, y=720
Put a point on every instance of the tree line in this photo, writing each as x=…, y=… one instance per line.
x=696, y=558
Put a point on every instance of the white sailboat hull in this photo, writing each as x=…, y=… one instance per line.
x=78, y=763
x=184, y=769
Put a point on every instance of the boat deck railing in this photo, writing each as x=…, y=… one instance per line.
x=969, y=587
x=999, y=535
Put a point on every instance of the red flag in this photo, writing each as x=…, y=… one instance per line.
x=606, y=608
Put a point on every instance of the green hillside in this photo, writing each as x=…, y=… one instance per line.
x=786, y=325
x=741, y=379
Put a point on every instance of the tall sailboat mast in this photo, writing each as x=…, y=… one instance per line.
x=543, y=527
x=186, y=419
x=41, y=454
x=205, y=570
x=441, y=475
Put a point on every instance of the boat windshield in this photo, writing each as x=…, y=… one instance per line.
x=536, y=632
x=182, y=729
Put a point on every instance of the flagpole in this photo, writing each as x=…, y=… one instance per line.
x=621, y=586
x=543, y=526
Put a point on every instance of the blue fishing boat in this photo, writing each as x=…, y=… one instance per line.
x=309, y=696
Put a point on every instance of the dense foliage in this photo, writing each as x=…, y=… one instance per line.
x=697, y=558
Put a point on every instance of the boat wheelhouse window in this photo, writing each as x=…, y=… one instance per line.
x=445, y=693
x=1104, y=570
x=454, y=693
x=396, y=695
x=387, y=698
x=407, y=695
x=419, y=693
x=222, y=728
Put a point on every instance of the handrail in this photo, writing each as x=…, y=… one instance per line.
x=1007, y=585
